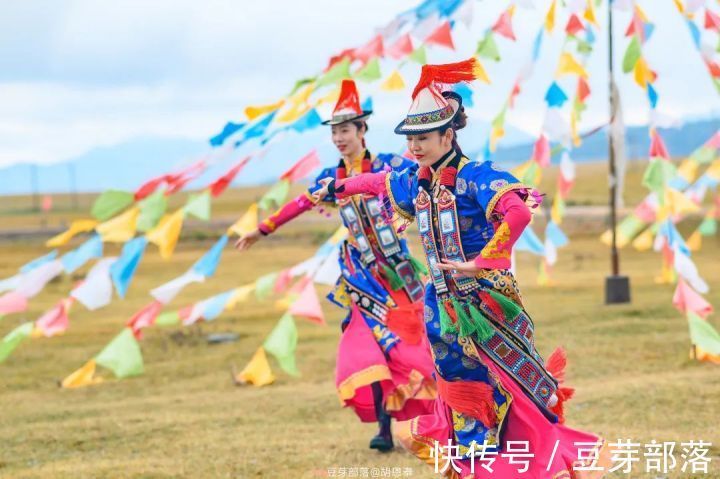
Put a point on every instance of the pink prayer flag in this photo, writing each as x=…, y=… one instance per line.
x=283, y=280
x=401, y=48
x=442, y=36
x=714, y=142
x=221, y=184
x=712, y=20
x=687, y=299
x=541, y=151
x=185, y=313
x=636, y=28
x=178, y=180
x=657, y=146
x=302, y=167
x=515, y=92
x=12, y=302
x=47, y=203
x=149, y=187
x=55, y=320
x=714, y=68
x=374, y=48
x=645, y=211
x=503, y=26
x=307, y=305
x=564, y=186
x=144, y=318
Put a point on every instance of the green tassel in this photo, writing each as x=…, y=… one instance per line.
x=483, y=330
x=465, y=322
x=418, y=265
x=509, y=307
x=396, y=282
x=446, y=324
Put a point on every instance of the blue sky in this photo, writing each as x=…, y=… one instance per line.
x=76, y=75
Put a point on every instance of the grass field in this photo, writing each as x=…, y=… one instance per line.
x=185, y=418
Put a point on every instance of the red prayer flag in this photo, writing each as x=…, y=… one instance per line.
x=442, y=36
x=302, y=167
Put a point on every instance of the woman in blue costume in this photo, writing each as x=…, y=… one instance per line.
x=495, y=391
x=384, y=366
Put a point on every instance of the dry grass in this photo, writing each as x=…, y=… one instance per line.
x=185, y=418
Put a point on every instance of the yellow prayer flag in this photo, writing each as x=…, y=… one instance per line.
x=667, y=275
x=77, y=226
x=339, y=235
x=556, y=212
x=589, y=14
x=394, y=82
x=641, y=14
x=713, y=170
x=331, y=97
x=253, y=112
x=642, y=73
x=569, y=66
x=550, y=17
x=688, y=170
x=678, y=203
x=85, y=376
x=495, y=135
x=257, y=372
x=679, y=5
x=694, y=242
x=167, y=233
x=247, y=222
x=121, y=228
x=240, y=295
x=293, y=113
x=644, y=241
x=703, y=355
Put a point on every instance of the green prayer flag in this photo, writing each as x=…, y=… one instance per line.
x=499, y=120
x=275, y=196
x=370, y=72
x=419, y=55
x=301, y=83
x=632, y=55
x=13, y=339
x=703, y=334
x=703, y=155
x=658, y=173
x=708, y=227
x=584, y=48
x=170, y=318
x=338, y=72
x=281, y=343
x=152, y=210
x=487, y=48
x=264, y=285
x=198, y=205
x=530, y=174
x=630, y=226
x=110, y=203
x=122, y=355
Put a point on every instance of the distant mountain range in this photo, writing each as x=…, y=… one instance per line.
x=127, y=165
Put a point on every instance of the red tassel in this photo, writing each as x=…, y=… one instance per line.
x=556, y=364
x=407, y=323
x=448, y=73
x=487, y=299
x=472, y=398
x=340, y=173
x=447, y=177
x=450, y=311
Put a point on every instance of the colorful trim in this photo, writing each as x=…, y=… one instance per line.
x=268, y=225
x=418, y=387
x=346, y=389
x=493, y=249
x=422, y=119
x=496, y=197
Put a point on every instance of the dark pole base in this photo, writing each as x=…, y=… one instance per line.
x=617, y=290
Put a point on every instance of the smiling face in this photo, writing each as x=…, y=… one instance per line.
x=430, y=147
x=348, y=139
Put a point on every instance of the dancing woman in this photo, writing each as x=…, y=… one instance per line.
x=494, y=387
x=384, y=366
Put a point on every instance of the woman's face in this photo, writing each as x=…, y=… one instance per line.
x=427, y=148
x=348, y=139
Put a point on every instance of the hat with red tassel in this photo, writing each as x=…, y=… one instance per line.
x=348, y=107
x=431, y=109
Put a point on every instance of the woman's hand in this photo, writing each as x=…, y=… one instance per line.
x=247, y=240
x=467, y=268
x=323, y=191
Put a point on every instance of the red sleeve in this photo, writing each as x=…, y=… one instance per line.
x=290, y=210
x=367, y=183
x=515, y=216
